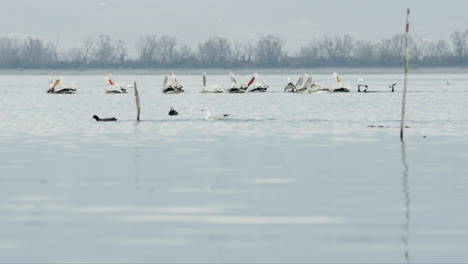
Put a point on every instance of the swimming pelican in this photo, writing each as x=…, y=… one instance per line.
x=257, y=86
x=235, y=87
x=60, y=87
x=303, y=87
x=173, y=86
x=214, y=88
x=115, y=88
x=342, y=87
x=178, y=85
x=209, y=116
x=290, y=87
x=317, y=88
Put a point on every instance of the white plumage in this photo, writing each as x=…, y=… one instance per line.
x=214, y=88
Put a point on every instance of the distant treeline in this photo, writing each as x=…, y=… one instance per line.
x=217, y=52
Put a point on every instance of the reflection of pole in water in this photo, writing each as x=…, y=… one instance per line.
x=136, y=161
x=404, y=183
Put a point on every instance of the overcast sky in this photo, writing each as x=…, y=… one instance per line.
x=68, y=22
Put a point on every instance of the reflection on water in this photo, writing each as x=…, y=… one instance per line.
x=404, y=182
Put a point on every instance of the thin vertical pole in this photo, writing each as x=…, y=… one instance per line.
x=403, y=105
x=137, y=98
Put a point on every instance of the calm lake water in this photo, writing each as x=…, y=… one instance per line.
x=285, y=178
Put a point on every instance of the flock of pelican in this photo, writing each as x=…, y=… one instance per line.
x=171, y=85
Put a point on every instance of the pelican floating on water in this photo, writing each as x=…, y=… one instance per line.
x=342, y=87
x=61, y=87
x=172, y=86
x=235, y=87
x=209, y=116
x=304, y=86
x=317, y=88
x=214, y=88
x=292, y=88
x=257, y=86
x=115, y=88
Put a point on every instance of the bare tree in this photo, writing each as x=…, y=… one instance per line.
x=391, y=50
x=269, y=50
x=102, y=53
x=337, y=49
x=166, y=49
x=120, y=52
x=215, y=52
x=439, y=50
x=146, y=48
x=249, y=51
x=418, y=49
x=459, y=42
x=10, y=51
x=310, y=51
x=364, y=51
x=237, y=52
x=36, y=52
x=184, y=55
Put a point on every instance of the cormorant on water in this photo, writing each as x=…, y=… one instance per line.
x=173, y=112
x=104, y=119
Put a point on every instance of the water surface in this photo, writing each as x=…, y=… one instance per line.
x=286, y=178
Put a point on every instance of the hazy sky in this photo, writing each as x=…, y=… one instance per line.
x=68, y=22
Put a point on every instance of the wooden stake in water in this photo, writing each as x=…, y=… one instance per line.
x=402, y=125
x=137, y=98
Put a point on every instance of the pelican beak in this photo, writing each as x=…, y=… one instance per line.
x=53, y=87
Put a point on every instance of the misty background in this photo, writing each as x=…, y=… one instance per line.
x=142, y=33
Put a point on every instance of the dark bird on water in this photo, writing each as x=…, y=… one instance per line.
x=173, y=112
x=365, y=87
x=104, y=119
x=392, y=87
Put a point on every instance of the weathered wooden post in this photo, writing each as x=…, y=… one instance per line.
x=403, y=105
x=137, y=98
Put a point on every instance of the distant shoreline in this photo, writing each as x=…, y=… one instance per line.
x=197, y=71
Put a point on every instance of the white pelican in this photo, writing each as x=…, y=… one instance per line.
x=115, y=88
x=214, y=88
x=317, y=88
x=314, y=87
x=290, y=87
x=209, y=116
x=173, y=86
x=235, y=87
x=304, y=86
x=60, y=87
x=178, y=85
x=342, y=87
x=257, y=86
